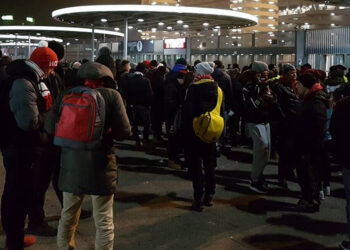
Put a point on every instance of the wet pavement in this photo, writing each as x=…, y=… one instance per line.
x=152, y=209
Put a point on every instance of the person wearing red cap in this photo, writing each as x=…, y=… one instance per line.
x=29, y=100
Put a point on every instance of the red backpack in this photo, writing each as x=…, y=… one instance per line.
x=81, y=119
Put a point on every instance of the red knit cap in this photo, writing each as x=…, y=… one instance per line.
x=45, y=58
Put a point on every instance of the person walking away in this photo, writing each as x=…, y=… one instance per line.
x=139, y=97
x=25, y=100
x=256, y=98
x=203, y=96
x=310, y=143
x=88, y=163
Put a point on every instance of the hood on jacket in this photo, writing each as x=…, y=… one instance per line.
x=94, y=70
x=25, y=68
x=104, y=51
x=179, y=67
x=218, y=73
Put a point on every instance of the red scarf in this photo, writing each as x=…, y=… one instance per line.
x=316, y=87
x=198, y=78
x=93, y=83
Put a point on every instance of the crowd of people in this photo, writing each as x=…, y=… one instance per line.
x=61, y=121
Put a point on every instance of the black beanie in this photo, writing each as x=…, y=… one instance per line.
x=181, y=61
x=57, y=48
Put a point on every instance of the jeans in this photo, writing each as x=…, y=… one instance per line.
x=260, y=133
x=17, y=194
x=202, y=152
x=346, y=179
x=103, y=217
x=141, y=117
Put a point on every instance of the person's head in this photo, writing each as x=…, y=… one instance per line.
x=164, y=63
x=153, y=64
x=245, y=68
x=289, y=72
x=235, y=66
x=45, y=58
x=58, y=48
x=4, y=61
x=219, y=64
x=203, y=69
x=188, y=79
x=308, y=80
x=181, y=61
x=84, y=61
x=104, y=51
x=140, y=67
x=125, y=66
x=259, y=68
x=196, y=62
x=147, y=64
x=161, y=71
x=341, y=68
x=96, y=74
x=272, y=66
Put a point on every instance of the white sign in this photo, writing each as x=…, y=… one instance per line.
x=179, y=43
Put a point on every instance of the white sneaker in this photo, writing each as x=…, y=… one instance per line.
x=327, y=191
x=321, y=195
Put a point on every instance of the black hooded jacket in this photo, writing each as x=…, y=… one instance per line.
x=224, y=81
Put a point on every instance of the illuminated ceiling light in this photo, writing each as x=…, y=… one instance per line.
x=31, y=37
x=7, y=17
x=116, y=29
x=256, y=8
x=104, y=20
x=180, y=21
x=161, y=24
x=140, y=31
x=169, y=28
x=283, y=23
x=30, y=19
x=205, y=24
x=38, y=34
x=283, y=31
x=271, y=2
x=67, y=44
x=234, y=1
x=177, y=33
x=186, y=26
x=217, y=27
x=332, y=14
x=154, y=3
x=153, y=37
x=306, y=23
x=215, y=30
x=140, y=20
x=130, y=27
x=271, y=10
x=270, y=25
x=270, y=17
x=76, y=39
x=154, y=29
x=332, y=24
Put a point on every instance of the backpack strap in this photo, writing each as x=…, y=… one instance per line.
x=218, y=104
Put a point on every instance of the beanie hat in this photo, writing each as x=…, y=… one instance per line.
x=181, y=61
x=285, y=68
x=203, y=69
x=44, y=57
x=259, y=67
x=57, y=48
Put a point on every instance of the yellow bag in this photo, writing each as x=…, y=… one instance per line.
x=209, y=126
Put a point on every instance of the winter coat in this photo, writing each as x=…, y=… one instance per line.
x=339, y=129
x=312, y=122
x=26, y=103
x=93, y=172
x=171, y=95
x=139, y=90
x=224, y=81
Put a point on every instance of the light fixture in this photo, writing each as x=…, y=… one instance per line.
x=270, y=17
x=161, y=24
x=38, y=34
x=140, y=31
x=217, y=27
x=130, y=27
x=169, y=28
x=104, y=20
x=30, y=19
x=332, y=14
x=186, y=26
x=154, y=3
x=67, y=44
x=76, y=39
x=283, y=23
x=7, y=17
x=140, y=20
x=332, y=24
x=154, y=29
x=271, y=10
x=271, y=2
x=205, y=24
x=180, y=21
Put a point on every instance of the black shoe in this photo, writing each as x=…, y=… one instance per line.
x=197, y=206
x=308, y=207
x=345, y=245
x=283, y=183
x=207, y=200
x=43, y=229
x=258, y=187
x=84, y=214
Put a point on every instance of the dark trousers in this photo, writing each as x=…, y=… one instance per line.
x=346, y=179
x=18, y=191
x=326, y=165
x=309, y=171
x=45, y=170
x=288, y=155
x=141, y=117
x=202, y=155
x=157, y=119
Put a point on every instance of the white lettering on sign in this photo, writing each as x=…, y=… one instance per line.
x=179, y=43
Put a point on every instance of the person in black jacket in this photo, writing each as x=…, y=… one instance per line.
x=310, y=138
x=224, y=81
x=201, y=97
x=139, y=97
x=339, y=128
x=256, y=102
x=290, y=105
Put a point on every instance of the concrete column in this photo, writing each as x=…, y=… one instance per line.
x=300, y=56
x=188, y=50
x=29, y=46
x=93, y=43
x=126, y=30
